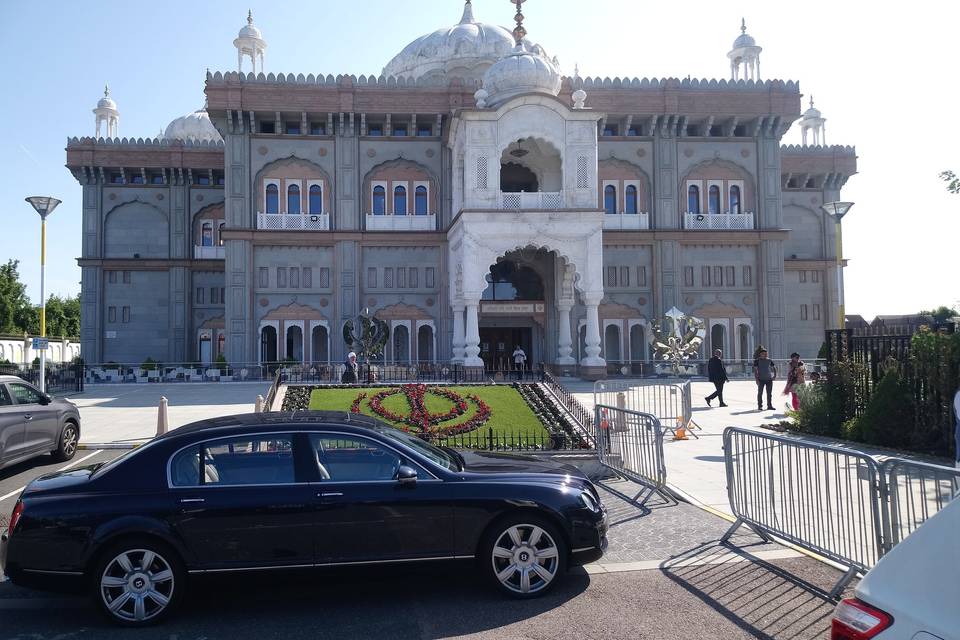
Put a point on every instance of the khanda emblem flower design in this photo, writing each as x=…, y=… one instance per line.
x=677, y=338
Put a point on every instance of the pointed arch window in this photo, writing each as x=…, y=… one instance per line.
x=379, y=201
x=400, y=201
x=316, y=199
x=293, y=199
x=693, y=199
x=631, y=195
x=713, y=199
x=735, y=199
x=273, y=198
x=420, y=201
x=206, y=235
x=610, y=199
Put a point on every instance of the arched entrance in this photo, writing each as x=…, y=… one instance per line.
x=294, y=343
x=268, y=344
x=320, y=345
x=531, y=164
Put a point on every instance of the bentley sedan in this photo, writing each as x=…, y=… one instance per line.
x=294, y=490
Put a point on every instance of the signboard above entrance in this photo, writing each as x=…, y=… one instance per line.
x=512, y=308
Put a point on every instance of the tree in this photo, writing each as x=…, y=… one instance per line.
x=14, y=305
x=953, y=182
x=942, y=313
x=63, y=316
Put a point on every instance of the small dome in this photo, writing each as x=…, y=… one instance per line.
x=194, y=126
x=250, y=31
x=523, y=71
x=812, y=112
x=106, y=102
x=465, y=50
x=744, y=39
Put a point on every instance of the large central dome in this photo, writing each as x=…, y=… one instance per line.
x=465, y=50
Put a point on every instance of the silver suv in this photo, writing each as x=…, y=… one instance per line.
x=32, y=423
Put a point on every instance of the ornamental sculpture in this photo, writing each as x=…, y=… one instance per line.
x=371, y=340
x=677, y=338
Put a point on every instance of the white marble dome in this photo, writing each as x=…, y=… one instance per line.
x=465, y=50
x=193, y=126
x=522, y=71
x=106, y=102
x=744, y=40
x=250, y=31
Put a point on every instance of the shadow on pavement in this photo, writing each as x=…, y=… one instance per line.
x=432, y=602
x=179, y=394
x=762, y=598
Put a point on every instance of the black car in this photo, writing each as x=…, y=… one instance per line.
x=283, y=491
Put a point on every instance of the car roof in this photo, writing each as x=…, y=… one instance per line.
x=6, y=378
x=248, y=422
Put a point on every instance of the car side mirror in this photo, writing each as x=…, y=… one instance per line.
x=407, y=475
x=45, y=399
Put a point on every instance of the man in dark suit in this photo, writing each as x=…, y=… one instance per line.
x=717, y=374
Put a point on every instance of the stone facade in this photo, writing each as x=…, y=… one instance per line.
x=331, y=195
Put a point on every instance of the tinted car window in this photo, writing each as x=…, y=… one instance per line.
x=348, y=459
x=238, y=461
x=4, y=397
x=25, y=394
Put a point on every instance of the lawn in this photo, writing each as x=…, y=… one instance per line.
x=509, y=413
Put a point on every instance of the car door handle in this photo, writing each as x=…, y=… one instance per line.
x=330, y=494
x=190, y=500
x=27, y=416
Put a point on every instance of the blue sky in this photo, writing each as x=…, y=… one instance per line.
x=884, y=84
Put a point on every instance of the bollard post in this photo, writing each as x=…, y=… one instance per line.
x=258, y=405
x=162, y=416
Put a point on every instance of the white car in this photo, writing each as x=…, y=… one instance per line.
x=913, y=592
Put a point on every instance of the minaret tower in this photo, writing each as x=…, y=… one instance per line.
x=107, y=114
x=250, y=43
x=814, y=122
x=746, y=54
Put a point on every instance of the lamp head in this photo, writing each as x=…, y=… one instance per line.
x=44, y=205
x=836, y=209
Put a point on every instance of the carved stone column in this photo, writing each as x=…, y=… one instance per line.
x=459, y=336
x=593, y=367
x=564, y=339
x=472, y=349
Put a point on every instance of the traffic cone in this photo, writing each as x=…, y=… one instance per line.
x=681, y=432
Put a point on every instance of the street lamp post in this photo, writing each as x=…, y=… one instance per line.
x=837, y=210
x=44, y=205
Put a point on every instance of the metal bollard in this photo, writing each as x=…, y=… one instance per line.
x=162, y=423
x=258, y=405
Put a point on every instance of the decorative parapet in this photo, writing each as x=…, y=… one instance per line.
x=219, y=77
x=685, y=83
x=142, y=142
x=819, y=166
x=91, y=159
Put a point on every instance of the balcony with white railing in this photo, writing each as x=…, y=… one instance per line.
x=209, y=253
x=626, y=221
x=532, y=200
x=419, y=222
x=718, y=221
x=293, y=222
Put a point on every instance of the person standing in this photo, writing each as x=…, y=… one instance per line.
x=519, y=361
x=764, y=372
x=717, y=374
x=351, y=370
x=795, y=377
x=956, y=434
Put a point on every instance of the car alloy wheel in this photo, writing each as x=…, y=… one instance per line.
x=137, y=585
x=68, y=441
x=525, y=558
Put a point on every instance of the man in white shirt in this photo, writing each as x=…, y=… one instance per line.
x=519, y=361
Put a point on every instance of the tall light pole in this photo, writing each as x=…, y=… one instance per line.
x=837, y=210
x=44, y=205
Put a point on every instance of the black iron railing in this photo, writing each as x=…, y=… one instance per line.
x=59, y=377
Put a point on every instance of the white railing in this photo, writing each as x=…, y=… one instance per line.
x=718, y=221
x=532, y=200
x=401, y=223
x=626, y=221
x=293, y=222
x=209, y=253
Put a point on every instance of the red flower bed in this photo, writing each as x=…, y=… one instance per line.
x=420, y=419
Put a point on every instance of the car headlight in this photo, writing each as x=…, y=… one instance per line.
x=589, y=502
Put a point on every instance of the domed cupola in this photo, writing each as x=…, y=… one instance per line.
x=194, y=126
x=250, y=43
x=744, y=56
x=465, y=50
x=107, y=115
x=523, y=70
x=813, y=122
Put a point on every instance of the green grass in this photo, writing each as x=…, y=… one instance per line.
x=509, y=413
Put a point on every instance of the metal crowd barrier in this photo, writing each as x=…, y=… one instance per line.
x=915, y=491
x=839, y=503
x=670, y=402
x=631, y=444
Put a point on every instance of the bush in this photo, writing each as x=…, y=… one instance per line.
x=814, y=413
x=222, y=364
x=888, y=418
x=149, y=365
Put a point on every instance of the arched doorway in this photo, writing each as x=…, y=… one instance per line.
x=743, y=336
x=294, y=343
x=611, y=344
x=401, y=344
x=718, y=335
x=531, y=164
x=425, y=343
x=638, y=348
x=513, y=310
x=320, y=345
x=268, y=344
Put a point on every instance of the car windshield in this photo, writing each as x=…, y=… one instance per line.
x=447, y=460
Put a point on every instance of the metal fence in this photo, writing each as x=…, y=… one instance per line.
x=837, y=502
x=489, y=440
x=59, y=377
x=670, y=402
x=576, y=412
x=742, y=368
x=631, y=443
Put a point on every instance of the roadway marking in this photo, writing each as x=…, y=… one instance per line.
x=72, y=464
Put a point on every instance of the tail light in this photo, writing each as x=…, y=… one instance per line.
x=15, y=517
x=856, y=620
